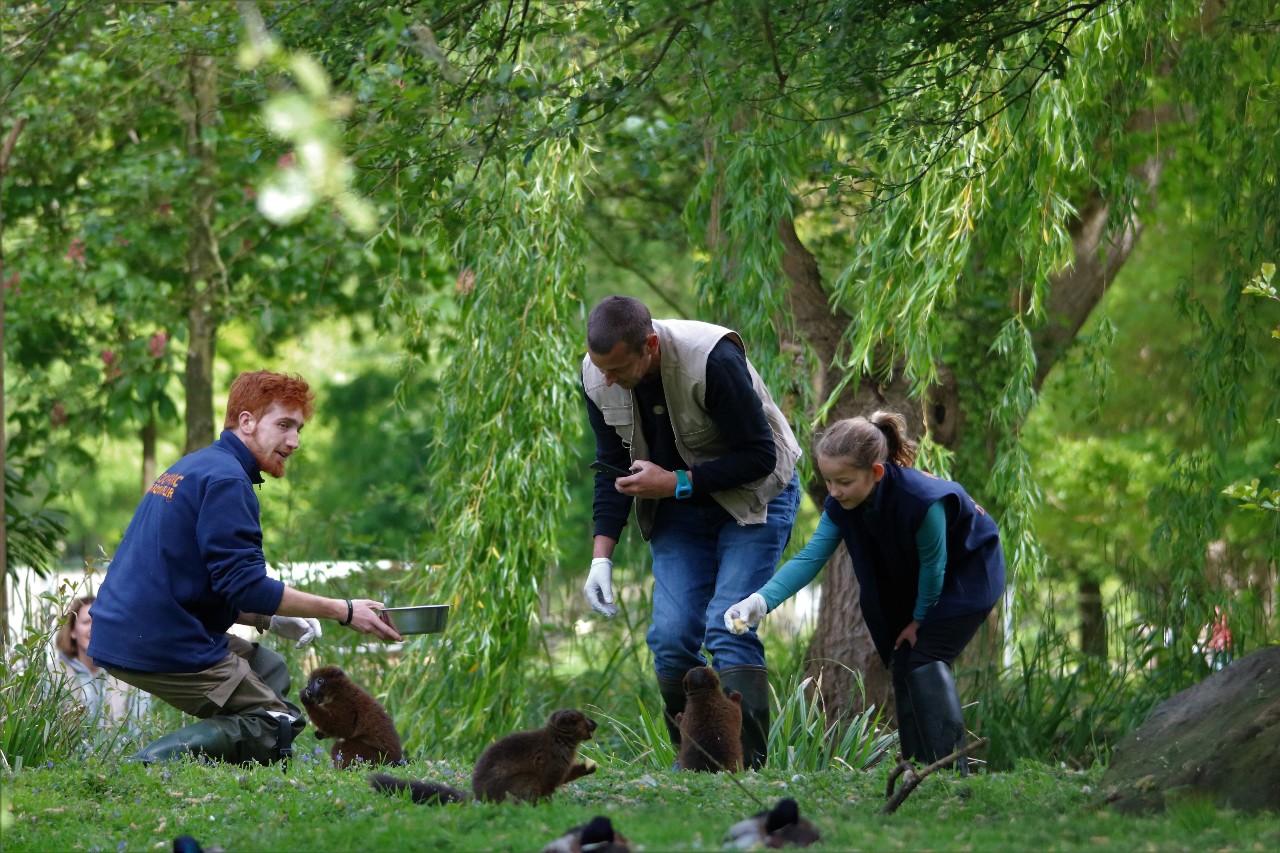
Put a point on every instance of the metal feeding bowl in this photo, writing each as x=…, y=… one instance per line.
x=427, y=619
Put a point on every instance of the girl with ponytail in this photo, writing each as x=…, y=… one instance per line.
x=928, y=563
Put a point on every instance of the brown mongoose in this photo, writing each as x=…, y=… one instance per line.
x=523, y=766
x=710, y=724
x=340, y=708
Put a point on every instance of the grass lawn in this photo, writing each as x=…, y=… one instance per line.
x=313, y=807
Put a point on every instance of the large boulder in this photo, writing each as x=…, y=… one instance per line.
x=1217, y=741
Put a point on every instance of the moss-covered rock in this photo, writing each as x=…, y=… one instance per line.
x=1218, y=741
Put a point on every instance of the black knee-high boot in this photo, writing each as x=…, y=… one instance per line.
x=753, y=683
x=672, y=690
x=937, y=709
x=909, y=740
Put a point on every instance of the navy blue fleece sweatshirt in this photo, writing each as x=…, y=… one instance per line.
x=190, y=562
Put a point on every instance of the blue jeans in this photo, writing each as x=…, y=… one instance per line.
x=704, y=562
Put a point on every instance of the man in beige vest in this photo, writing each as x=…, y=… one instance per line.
x=713, y=481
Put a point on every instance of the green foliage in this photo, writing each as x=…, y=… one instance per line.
x=1054, y=703
x=1254, y=495
x=1121, y=405
x=748, y=190
x=1261, y=284
x=41, y=719
x=1093, y=519
x=1223, y=159
x=308, y=119
x=1054, y=706
x=804, y=738
x=504, y=443
x=100, y=213
x=33, y=533
x=354, y=494
x=642, y=742
x=91, y=210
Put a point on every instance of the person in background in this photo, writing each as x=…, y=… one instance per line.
x=191, y=564
x=713, y=482
x=105, y=698
x=928, y=561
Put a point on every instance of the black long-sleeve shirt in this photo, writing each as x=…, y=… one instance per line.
x=734, y=408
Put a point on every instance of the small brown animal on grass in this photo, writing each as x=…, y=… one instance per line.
x=523, y=766
x=710, y=724
x=340, y=708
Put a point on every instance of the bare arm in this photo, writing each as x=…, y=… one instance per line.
x=604, y=546
x=295, y=602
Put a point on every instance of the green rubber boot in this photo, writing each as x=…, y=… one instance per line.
x=753, y=683
x=258, y=736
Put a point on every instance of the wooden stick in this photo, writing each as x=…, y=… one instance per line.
x=901, y=767
x=912, y=778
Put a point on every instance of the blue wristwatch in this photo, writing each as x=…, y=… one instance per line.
x=684, y=489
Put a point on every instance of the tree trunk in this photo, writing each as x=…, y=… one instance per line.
x=204, y=267
x=841, y=651
x=148, y=436
x=1093, y=625
x=1101, y=245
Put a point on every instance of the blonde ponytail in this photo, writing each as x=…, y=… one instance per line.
x=867, y=441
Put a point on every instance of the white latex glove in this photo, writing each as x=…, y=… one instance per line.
x=302, y=629
x=747, y=613
x=599, y=588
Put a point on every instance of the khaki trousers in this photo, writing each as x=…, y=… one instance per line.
x=250, y=678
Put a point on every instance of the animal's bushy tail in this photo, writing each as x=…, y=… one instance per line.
x=424, y=793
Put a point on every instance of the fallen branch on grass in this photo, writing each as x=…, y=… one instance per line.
x=911, y=777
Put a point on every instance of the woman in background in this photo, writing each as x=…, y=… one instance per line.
x=107, y=699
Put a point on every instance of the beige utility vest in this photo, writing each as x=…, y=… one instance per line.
x=684, y=346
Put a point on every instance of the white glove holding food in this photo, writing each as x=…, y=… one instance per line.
x=746, y=614
x=302, y=629
x=599, y=588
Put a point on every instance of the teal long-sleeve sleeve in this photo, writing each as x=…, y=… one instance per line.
x=796, y=573
x=931, y=545
x=800, y=570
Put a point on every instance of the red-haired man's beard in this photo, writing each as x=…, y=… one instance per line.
x=271, y=464
x=272, y=439
x=270, y=460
